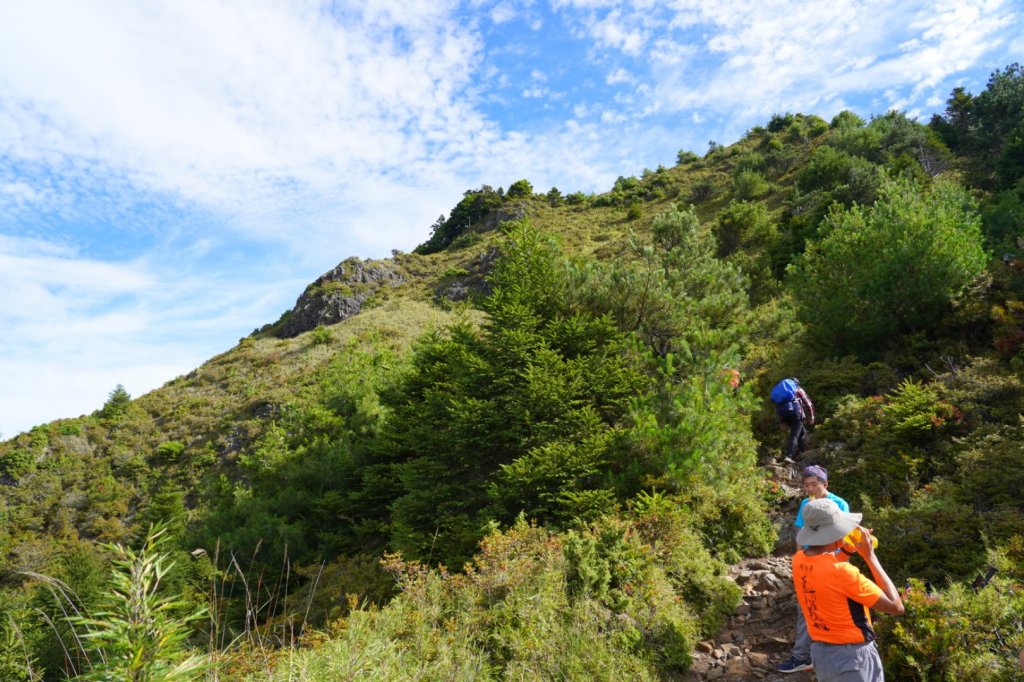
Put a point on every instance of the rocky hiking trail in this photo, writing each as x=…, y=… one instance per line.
x=760, y=632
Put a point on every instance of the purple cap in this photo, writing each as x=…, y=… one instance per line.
x=815, y=470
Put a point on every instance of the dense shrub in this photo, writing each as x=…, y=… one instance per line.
x=749, y=184
x=956, y=634
x=839, y=178
x=932, y=539
x=987, y=128
x=600, y=603
x=752, y=161
x=892, y=444
x=685, y=157
x=745, y=226
x=475, y=206
x=519, y=189
x=847, y=119
x=888, y=270
x=780, y=122
x=703, y=190
x=985, y=393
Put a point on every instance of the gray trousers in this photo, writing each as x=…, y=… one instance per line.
x=802, y=646
x=847, y=662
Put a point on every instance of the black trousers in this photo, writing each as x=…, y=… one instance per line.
x=797, y=441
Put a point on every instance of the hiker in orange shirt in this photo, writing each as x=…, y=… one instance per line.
x=836, y=598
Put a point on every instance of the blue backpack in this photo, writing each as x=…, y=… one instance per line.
x=785, y=399
x=784, y=391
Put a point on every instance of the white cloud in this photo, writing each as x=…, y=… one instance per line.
x=612, y=32
x=610, y=116
x=503, y=12
x=619, y=76
x=754, y=59
x=20, y=192
x=79, y=326
x=236, y=109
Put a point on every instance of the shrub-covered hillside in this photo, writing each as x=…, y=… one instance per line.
x=520, y=453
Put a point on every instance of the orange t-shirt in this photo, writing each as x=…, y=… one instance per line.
x=835, y=598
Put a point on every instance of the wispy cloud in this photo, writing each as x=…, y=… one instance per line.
x=754, y=59
x=243, y=111
x=81, y=325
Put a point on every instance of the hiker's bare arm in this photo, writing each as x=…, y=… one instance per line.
x=890, y=601
x=886, y=605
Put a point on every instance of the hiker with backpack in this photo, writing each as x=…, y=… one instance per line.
x=794, y=408
x=836, y=599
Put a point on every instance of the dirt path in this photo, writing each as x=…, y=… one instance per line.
x=760, y=632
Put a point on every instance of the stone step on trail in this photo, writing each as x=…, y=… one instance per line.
x=759, y=634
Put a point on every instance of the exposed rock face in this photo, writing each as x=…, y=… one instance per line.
x=474, y=282
x=338, y=294
x=516, y=211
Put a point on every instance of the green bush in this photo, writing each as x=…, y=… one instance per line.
x=933, y=539
x=889, y=270
x=685, y=157
x=595, y=604
x=520, y=189
x=891, y=444
x=320, y=335
x=985, y=393
x=816, y=126
x=15, y=463
x=780, y=122
x=752, y=161
x=745, y=226
x=846, y=178
x=956, y=634
x=749, y=184
x=857, y=141
x=139, y=633
x=704, y=190
x=847, y=119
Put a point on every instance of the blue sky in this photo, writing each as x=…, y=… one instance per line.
x=172, y=174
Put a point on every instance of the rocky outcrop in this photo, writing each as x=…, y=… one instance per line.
x=472, y=281
x=338, y=294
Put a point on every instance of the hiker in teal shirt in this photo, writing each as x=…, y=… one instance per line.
x=815, y=482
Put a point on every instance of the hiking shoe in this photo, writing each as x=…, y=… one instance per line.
x=792, y=665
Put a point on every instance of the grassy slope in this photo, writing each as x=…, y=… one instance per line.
x=225, y=404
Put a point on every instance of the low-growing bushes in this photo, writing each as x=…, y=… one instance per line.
x=956, y=634
x=626, y=597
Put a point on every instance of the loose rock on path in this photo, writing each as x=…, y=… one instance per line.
x=761, y=631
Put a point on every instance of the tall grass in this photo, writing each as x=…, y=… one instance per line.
x=138, y=634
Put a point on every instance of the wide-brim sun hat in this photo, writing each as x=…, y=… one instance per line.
x=825, y=522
